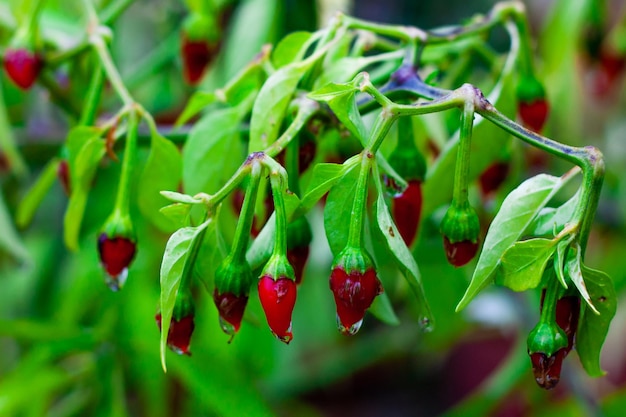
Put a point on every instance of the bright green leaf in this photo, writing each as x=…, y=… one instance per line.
x=34, y=196
x=522, y=264
x=323, y=178
x=178, y=213
x=559, y=261
x=271, y=105
x=551, y=221
x=573, y=267
x=515, y=215
x=180, y=198
x=289, y=48
x=86, y=149
x=163, y=171
x=198, y=101
x=344, y=69
x=173, y=267
x=341, y=98
x=402, y=255
x=593, y=328
x=338, y=211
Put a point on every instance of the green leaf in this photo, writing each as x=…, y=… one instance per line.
x=551, y=221
x=522, y=264
x=198, y=101
x=33, y=198
x=345, y=68
x=573, y=266
x=213, y=151
x=180, y=198
x=559, y=261
x=178, y=213
x=402, y=255
x=289, y=49
x=173, y=268
x=338, y=210
x=261, y=249
x=10, y=241
x=271, y=105
x=383, y=310
x=593, y=328
x=162, y=172
x=515, y=215
x=86, y=149
x=341, y=98
x=325, y=175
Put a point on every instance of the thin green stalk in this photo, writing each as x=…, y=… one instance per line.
x=111, y=71
x=92, y=100
x=122, y=201
x=246, y=217
x=461, y=172
x=355, y=232
x=280, y=241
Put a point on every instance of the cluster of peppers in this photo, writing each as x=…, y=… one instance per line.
x=353, y=278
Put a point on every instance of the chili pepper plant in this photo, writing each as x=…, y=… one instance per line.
x=351, y=146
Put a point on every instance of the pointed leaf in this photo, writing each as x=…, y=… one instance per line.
x=86, y=149
x=402, y=255
x=178, y=213
x=573, y=266
x=338, y=211
x=323, y=178
x=163, y=171
x=559, y=262
x=271, y=105
x=515, y=215
x=290, y=48
x=180, y=198
x=522, y=265
x=173, y=267
x=593, y=328
x=341, y=98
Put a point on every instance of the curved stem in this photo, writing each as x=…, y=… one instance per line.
x=90, y=106
x=110, y=69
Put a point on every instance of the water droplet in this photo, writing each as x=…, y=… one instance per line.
x=285, y=338
x=425, y=324
x=115, y=283
x=349, y=331
x=227, y=328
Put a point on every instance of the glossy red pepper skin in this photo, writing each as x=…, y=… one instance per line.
x=278, y=298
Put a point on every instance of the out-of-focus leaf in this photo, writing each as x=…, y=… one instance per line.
x=289, y=48
x=33, y=198
x=162, y=172
x=9, y=239
x=86, y=149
